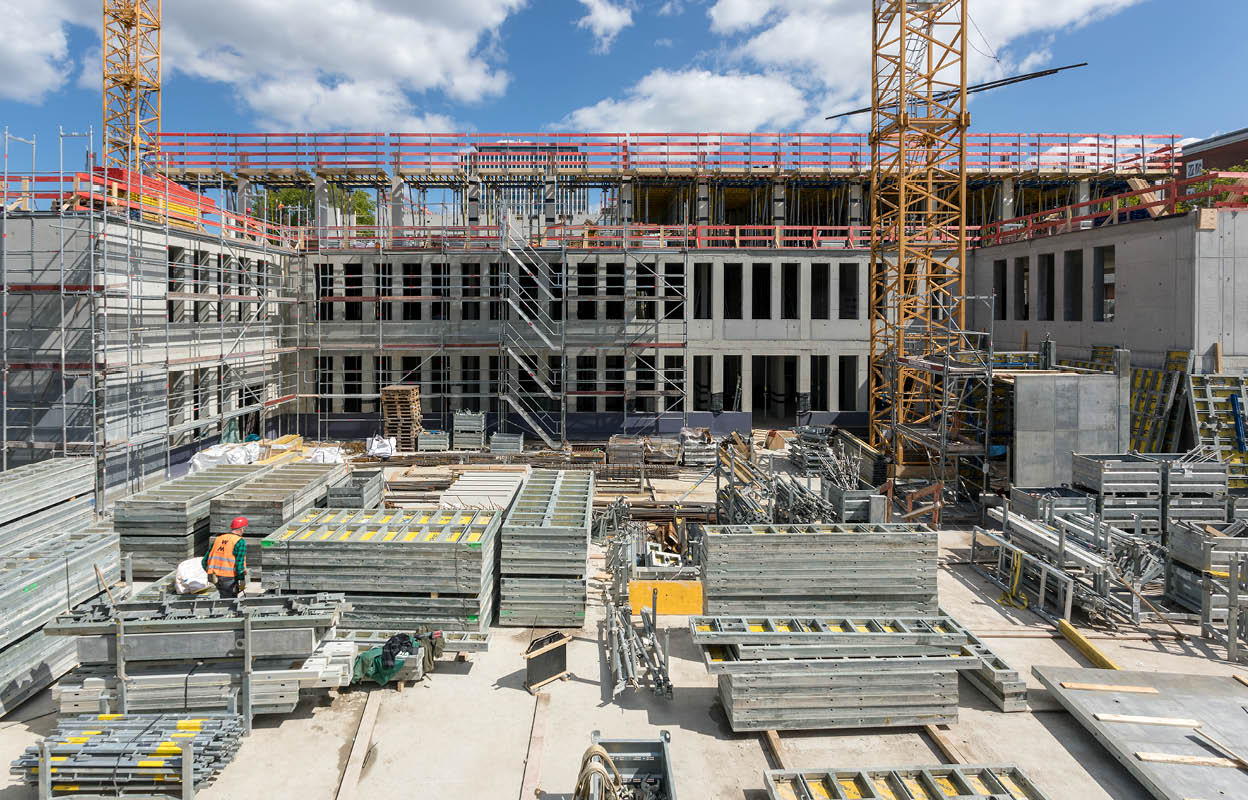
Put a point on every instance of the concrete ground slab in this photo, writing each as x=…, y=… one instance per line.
x=464, y=731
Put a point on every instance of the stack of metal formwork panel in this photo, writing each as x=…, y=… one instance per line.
x=35, y=487
x=871, y=568
x=168, y=523
x=1195, y=548
x=399, y=568
x=468, y=429
x=963, y=781
x=191, y=653
x=814, y=673
x=271, y=499
x=993, y=676
x=486, y=490
x=545, y=551
x=360, y=489
x=1128, y=487
x=133, y=754
x=1036, y=502
x=1193, y=490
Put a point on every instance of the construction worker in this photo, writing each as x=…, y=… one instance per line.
x=226, y=560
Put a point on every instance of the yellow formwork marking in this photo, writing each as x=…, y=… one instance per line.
x=410, y=535
x=1013, y=787
x=785, y=790
x=849, y=787
x=389, y=535
x=884, y=790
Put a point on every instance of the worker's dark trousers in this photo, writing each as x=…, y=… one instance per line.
x=227, y=587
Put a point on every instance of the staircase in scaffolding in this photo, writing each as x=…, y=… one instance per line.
x=527, y=333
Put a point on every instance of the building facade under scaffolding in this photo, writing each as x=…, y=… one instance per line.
x=722, y=285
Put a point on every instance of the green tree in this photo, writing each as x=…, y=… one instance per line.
x=277, y=205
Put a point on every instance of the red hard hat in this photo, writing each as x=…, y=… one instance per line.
x=239, y=522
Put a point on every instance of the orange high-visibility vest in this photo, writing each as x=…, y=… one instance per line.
x=221, y=561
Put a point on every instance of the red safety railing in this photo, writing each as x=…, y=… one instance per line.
x=1160, y=199
x=639, y=153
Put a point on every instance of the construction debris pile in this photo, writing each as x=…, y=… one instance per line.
x=398, y=568
x=131, y=754
x=543, y=571
x=51, y=556
x=246, y=656
x=400, y=415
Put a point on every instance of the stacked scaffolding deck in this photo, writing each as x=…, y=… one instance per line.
x=853, y=569
x=834, y=672
x=191, y=654
x=961, y=781
x=545, y=551
x=270, y=500
x=34, y=488
x=488, y=490
x=167, y=524
x=134, y=754
x=399, y=568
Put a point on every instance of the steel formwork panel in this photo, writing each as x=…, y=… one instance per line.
x=945, y=782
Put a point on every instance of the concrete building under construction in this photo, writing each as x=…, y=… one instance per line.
x=572, y=285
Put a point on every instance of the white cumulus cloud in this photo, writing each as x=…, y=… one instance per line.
x=605, y=20
x=695, y=100
x=34, y=48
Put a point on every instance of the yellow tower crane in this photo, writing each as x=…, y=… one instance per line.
x=131, y=38
x=918, y=220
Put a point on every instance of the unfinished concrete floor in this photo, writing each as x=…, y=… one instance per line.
x=464, y=732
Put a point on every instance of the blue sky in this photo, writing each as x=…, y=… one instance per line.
x=618, y=65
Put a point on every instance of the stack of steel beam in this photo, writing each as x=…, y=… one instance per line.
x=961, y=781
x=360, y=489
x=164, y=525
x=268, y=501
x=131, y=754
x=468, y=430
x=194, y=654
x=884, y=568
x=399, y=568
x=814, y=673
x=545, y=550
x=1128, y=488
x=487, y=490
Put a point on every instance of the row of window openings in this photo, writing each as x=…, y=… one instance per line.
x=848, y=292
x=585, y=378
x=1013, y=293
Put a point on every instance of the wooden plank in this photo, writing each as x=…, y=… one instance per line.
x=771, y=740
x=1190, y=761
x=359, y=748
x=531, y=785
x=951, y=752
x=1175, y=722
x=1109, y=687
x=1081, y=643
x=1240, y=678
x=1243, y=762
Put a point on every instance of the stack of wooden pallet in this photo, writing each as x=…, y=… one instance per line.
x=400, y=414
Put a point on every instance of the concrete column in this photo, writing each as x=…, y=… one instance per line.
x=777, y=287
x=775, y=380
x=702, y=203
x=398, y=210
x=803, y=387
x=338, y=386
x=1122, y=368
x=747, y=381
x=626, y=202
x=456, y=379
x=717, y=301
x=803, y=300
x=1005, y=202
x=549, y=210
x=474, y=201
x=324, y=214
x=243, y=201
x=747, y=291
x=778, y=187
x=1085, y=194
x=717, y=382
x=368, y=382
x=857, y=214
x=600, y=368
